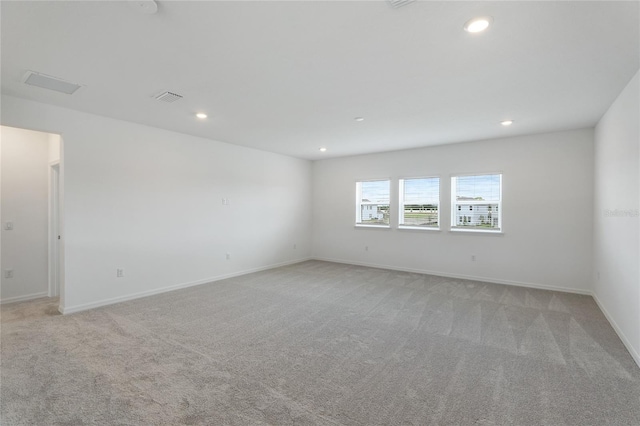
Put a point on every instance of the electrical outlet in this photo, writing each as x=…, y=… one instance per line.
x=366, y=248
x=473, y=257
x=228, y=256
x=8, y=273
x=295, y=246
x=119, y=273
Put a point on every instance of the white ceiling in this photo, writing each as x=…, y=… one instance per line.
x=291, y=76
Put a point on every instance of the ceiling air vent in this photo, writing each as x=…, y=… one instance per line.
x=52, y=83
x=399, y=3
x=168, y=97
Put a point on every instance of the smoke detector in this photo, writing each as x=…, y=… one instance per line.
x=44, y=81
x=148, y=7
x=168, y=97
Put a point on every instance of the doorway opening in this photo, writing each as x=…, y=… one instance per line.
x=32, y=248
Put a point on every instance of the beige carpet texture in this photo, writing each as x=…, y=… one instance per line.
x=319, y=343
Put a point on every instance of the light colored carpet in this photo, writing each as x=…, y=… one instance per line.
x=319, y=343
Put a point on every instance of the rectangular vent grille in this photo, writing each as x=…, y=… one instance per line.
x=399, y=3
x=168, y=97
x=52, y=83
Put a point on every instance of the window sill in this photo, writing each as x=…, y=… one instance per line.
x=476, y=231
x=417, y=228
x=373, y=226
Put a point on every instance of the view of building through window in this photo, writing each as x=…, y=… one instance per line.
x=372, y=199
x=476, y=202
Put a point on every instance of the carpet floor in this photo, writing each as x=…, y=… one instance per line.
x=320, y=343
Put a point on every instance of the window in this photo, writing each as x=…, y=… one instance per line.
x=476, y=202
x=419, y=202
x=372, y=203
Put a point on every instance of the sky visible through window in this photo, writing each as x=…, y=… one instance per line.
x=485, y=186
x=421, y=191
x=376, y=191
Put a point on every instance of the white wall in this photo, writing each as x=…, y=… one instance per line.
x=25, y=204
x=54, y=148
x=149, y=201
x=616, y=222
x=547, y=211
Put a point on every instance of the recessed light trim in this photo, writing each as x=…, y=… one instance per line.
x=478, y=24
x=506, y=123
x=322, y=149
x=201, y=115
x=359, y=118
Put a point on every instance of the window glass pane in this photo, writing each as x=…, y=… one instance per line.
x=419, y=202
x=482, y=187
x=422, y=191
x=375, y=192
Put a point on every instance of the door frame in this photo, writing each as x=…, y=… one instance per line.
x=55, y=231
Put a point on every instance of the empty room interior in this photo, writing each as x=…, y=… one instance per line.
x=389, y=212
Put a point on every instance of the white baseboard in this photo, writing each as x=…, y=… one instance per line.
x=460, y=276
x=625, y=341
x=24, y=297
x=83, y=307
x=72, y=309
x=632, y=351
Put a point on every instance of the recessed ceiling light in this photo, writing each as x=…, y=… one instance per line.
x=506, y=123
x=359, y=118
x=323, y=149
x=479, y=24
x=201, y=115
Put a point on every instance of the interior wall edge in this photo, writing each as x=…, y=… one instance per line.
x=627, y=343
x=460, y=276
x=24, y=297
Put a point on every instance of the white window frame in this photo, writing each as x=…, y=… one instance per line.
x=401, y=209
x=455, y=203
x=359, y=204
